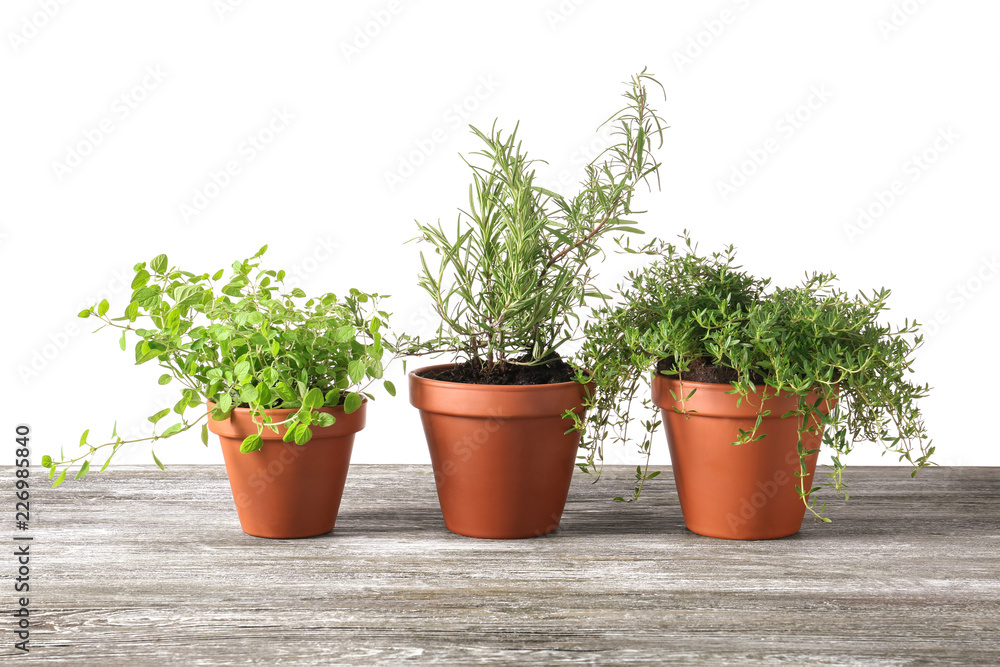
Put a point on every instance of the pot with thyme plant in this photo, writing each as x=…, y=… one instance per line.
x=507, y=287
x=750, y=381
x=284, y=378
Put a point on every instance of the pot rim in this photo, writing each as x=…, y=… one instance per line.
x=237, y=424
x=488, y=387
x=714, y=400
x=527, y=401
x=288, y=411
x=717, y=385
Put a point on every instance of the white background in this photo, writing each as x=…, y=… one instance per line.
x=893, y=76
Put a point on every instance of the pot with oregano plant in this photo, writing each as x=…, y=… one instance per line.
x=750, y=381
x=284, y=378
x=507, y=288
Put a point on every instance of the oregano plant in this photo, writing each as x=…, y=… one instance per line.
x=511, y=275
x=687, y=311
x=240, y=338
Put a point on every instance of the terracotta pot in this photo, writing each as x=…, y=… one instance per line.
x=284, y=490
x=737, y=492
x=503, y=461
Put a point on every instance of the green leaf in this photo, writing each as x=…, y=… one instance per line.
x=150, y=354
x=46, y=461
x=285, y=392
x=60, y=479
x=302, y=434
x=234, y=288
x=249, y=394
x=264, y=395
x=297, y=292
x=84, y=313
x=260, y=252
x=225, y=402
x=83, y=438
x=204, y=434
x=325, y=419
x=313, y=399
x=121, y=342
x=157, y=461
x=218, y=274
x=159, y=415
x=258, y=339
x=171, y=430
x=159, y=264
x=389, y=387
x=83, y=470
x=356, y=370
x=251, y=443
x=102, y=308
x=165, y=378
x=185, y=293
x=344, y=333
x=141, y=278
x=352, y=403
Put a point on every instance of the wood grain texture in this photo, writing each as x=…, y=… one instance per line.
x=141, y=567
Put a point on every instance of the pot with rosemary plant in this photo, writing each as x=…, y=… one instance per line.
x=507, y=289
x=284, y=378
x=750, y=380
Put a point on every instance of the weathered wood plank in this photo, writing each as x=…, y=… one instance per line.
x=137, y=566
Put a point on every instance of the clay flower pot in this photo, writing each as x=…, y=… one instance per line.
x=737, y=492
x=284, y=490
x=502, y=459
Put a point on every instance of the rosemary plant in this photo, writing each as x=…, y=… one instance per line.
x=519, y=263
x=688, y=310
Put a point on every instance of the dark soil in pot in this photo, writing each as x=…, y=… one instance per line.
x=703, y=370
x=476, y=371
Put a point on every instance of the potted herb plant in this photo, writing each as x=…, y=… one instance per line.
x=283, y=377
x=750, y=380
x=507, y=287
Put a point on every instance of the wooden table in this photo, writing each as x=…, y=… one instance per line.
x=141, y=567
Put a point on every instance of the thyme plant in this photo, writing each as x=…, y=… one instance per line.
x=242, y=340
x=688, y=310
x=520, y=259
